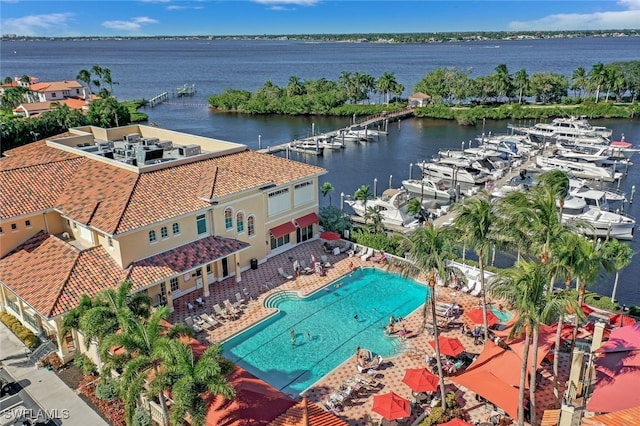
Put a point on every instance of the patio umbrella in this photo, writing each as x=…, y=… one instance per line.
x=448, y=346
x=619, y=320
x=330, y=236
x=456, y=422
x=391, y=406
x=475, y=315
x=421, y=380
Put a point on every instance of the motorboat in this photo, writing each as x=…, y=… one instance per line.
x=329, y=142
x=392, y=206
x=365, y=132
x=578, y=169
x=615, y=150
x=596, y=197
x=428, y=189
x=521, y=182
x=595, y=155
x=570, y=129
x=456, y=169
x=306, y=146
x=604, y=223
x=518, y=145
x=347, y=135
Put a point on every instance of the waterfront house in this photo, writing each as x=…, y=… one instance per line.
x=171, y=212
x=419, y=99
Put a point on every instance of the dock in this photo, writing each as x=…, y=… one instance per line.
x=366, y=122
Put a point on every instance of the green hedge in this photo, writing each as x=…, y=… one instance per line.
x=23, y=333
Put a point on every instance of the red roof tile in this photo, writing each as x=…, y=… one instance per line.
x=36, y=153
x=626, y=417
x=306, y=413
x=182, y=259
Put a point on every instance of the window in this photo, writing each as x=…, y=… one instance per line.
x=275, y=243
x=164, y=233
x=176, y=228
x=110, y=242
x=152, y=236
x=306, y=233
x=53, y=94
x=240, y=222
x=198, y=272
x=174, y=284
x=228, y=219
x=14, y=227
x=27, y=223
x=251, y=225
x=209, y=270
x=201, y=222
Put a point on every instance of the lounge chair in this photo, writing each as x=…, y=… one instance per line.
x=367, y=255
x=325, y=261
x=190, y=323
x=231, y=311
x=239, y=301
x=305, y=268
x=284, y=274
x=346, y=247
x=219, y=312
x=381, y=258
x=210, y=320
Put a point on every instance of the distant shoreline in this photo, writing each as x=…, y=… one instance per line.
x=439, y=37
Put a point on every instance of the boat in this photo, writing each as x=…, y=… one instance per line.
x=428, y=189
x=346, y=135
x=306, y=147
x=329, y=142
x=456, y=169
x=604, y=224
x=521, y=182
x=392, y=206
x=577, y=169
x=571, y=129
x=581, y=188
x=520, y=145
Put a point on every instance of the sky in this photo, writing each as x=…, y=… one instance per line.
x=64, y=18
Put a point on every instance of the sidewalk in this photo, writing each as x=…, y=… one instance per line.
x=46, y=389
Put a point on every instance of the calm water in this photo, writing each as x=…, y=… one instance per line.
x=268, y=352
x=145, y=68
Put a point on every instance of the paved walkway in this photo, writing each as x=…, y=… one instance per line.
x=44, y=386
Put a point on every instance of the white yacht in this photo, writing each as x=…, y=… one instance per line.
x=456, y=169
x=579, y=188
x=329, y=142
x=521, y=182
x=428, y=189
x=577, y=169
x=392, y=206
x=605, y=223
x=570, y=129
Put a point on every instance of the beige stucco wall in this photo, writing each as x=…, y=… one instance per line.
x=49, y=222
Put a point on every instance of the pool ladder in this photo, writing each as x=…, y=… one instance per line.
x=273, y=300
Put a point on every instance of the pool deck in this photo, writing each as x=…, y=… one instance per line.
x=265, y=280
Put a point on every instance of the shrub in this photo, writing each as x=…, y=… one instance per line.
x=85, y=364
x=141, y=417
x=434, y=417
x=599, y=301
x=107, y=389
x=21, y=332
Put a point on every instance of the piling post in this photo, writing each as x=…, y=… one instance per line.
x=375, y=187
x=410, y=170
x=259, y=141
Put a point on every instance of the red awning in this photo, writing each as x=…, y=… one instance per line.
x=282, y=230
x=307, y=220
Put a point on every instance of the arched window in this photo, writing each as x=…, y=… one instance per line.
x=152, y=236
x=228, y=218
x=240, y=222
x=251, y=225
x=164, y=233
x=176, y=228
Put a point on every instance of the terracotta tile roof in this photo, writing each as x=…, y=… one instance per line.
x=50, y=275
x=54, y=86
x=97, y=194
x=33, y=154
x=35, y=188
x=626, y=417
x=306, y=413
x=174, y=191
x=181, y=259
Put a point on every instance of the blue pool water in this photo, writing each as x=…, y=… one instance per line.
x=505, y=316
x=266, y=351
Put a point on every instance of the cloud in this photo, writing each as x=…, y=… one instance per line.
x=176, y=7
x=280, y=3
x=631, y=4
x=134, y=25
x=50, y=24
x=580, y=21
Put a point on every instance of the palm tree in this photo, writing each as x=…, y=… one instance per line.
x=190, y=380
x=475, y=219
x=597, y=77
x=85, y=77
x=502, y=80
x=619, y=255
x=428, y=250
x=295, y=87
x=386, y=84
x=521, y=81
x=326, y=189
x=108, y=80
x=373, y=216
x=579, y=80
x=363, y=193
x=142, y=343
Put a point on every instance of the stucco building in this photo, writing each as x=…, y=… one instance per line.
x=168, y=211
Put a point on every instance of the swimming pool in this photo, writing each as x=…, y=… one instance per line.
x=505, y=316
x=266, y=350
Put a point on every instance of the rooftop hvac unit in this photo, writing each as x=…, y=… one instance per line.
x=145, y=154
x=189, y=150
x=149, y=141
x=104, y=145
x=132, y=137
x=166, y=145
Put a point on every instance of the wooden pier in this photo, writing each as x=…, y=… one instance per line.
x=158, y=99
x=366, y=122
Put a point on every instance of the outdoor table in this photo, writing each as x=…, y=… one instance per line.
x=386, y=422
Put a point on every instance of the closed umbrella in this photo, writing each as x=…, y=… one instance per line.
x=391, y=406
x=475, y=316
x=421, y=380
x=450, y=346
x=330, y=236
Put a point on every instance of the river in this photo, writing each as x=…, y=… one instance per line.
x=144, y=68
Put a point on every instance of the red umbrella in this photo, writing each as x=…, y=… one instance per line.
x=421, y=380
x=586, y=309
x=475, y=315
x=456, y=422
x=448, y=346
x=391, y=406
x=330, y=236
x=619, y=320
